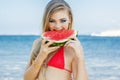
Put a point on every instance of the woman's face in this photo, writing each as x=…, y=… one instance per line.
x=59, y=21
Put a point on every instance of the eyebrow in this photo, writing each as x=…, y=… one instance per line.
x=59, y=19
x=63, y=19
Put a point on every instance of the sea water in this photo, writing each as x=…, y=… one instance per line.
x=102, y=56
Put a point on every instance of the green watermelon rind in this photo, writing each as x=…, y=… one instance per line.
x=58, y=44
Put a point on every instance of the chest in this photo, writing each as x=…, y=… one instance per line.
x=61, y=59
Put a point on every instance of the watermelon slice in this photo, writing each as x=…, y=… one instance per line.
x=59, y=37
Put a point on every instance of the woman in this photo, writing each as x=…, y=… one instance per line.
x=58, y=16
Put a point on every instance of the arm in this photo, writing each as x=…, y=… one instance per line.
x=32, y=71
x=33, y=68
x=78, y=66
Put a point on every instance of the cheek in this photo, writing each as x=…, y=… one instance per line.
x=65, y=26
x=51, y=27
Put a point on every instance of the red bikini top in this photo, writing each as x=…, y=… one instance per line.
x=57, y=60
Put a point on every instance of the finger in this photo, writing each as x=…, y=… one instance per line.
x=70, y=41
x=54, y=48
x=74, y=38
x=49, y=43
x=44, y=41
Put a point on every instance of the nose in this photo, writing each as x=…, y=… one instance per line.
x=58, y=26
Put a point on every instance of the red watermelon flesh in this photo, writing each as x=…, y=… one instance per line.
x=58, y=36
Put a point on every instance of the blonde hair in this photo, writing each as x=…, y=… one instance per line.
x=52, y=7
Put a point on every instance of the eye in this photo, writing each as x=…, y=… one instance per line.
x=51, y=21
x=63, y=20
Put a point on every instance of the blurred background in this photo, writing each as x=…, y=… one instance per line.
x=90, y=16
x=98, y=24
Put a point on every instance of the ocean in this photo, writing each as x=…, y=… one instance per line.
x=102, y=56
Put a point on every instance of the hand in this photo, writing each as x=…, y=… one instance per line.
x=46, y=48
x=76, y=46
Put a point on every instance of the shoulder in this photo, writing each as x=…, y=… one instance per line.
x=37, y=41
x=36, y=45
x=34, y=50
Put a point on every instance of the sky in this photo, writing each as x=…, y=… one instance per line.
x=21, y=17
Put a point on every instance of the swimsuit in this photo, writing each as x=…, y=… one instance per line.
x=57, y=60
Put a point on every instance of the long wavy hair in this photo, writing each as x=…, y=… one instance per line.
x=52, y=7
